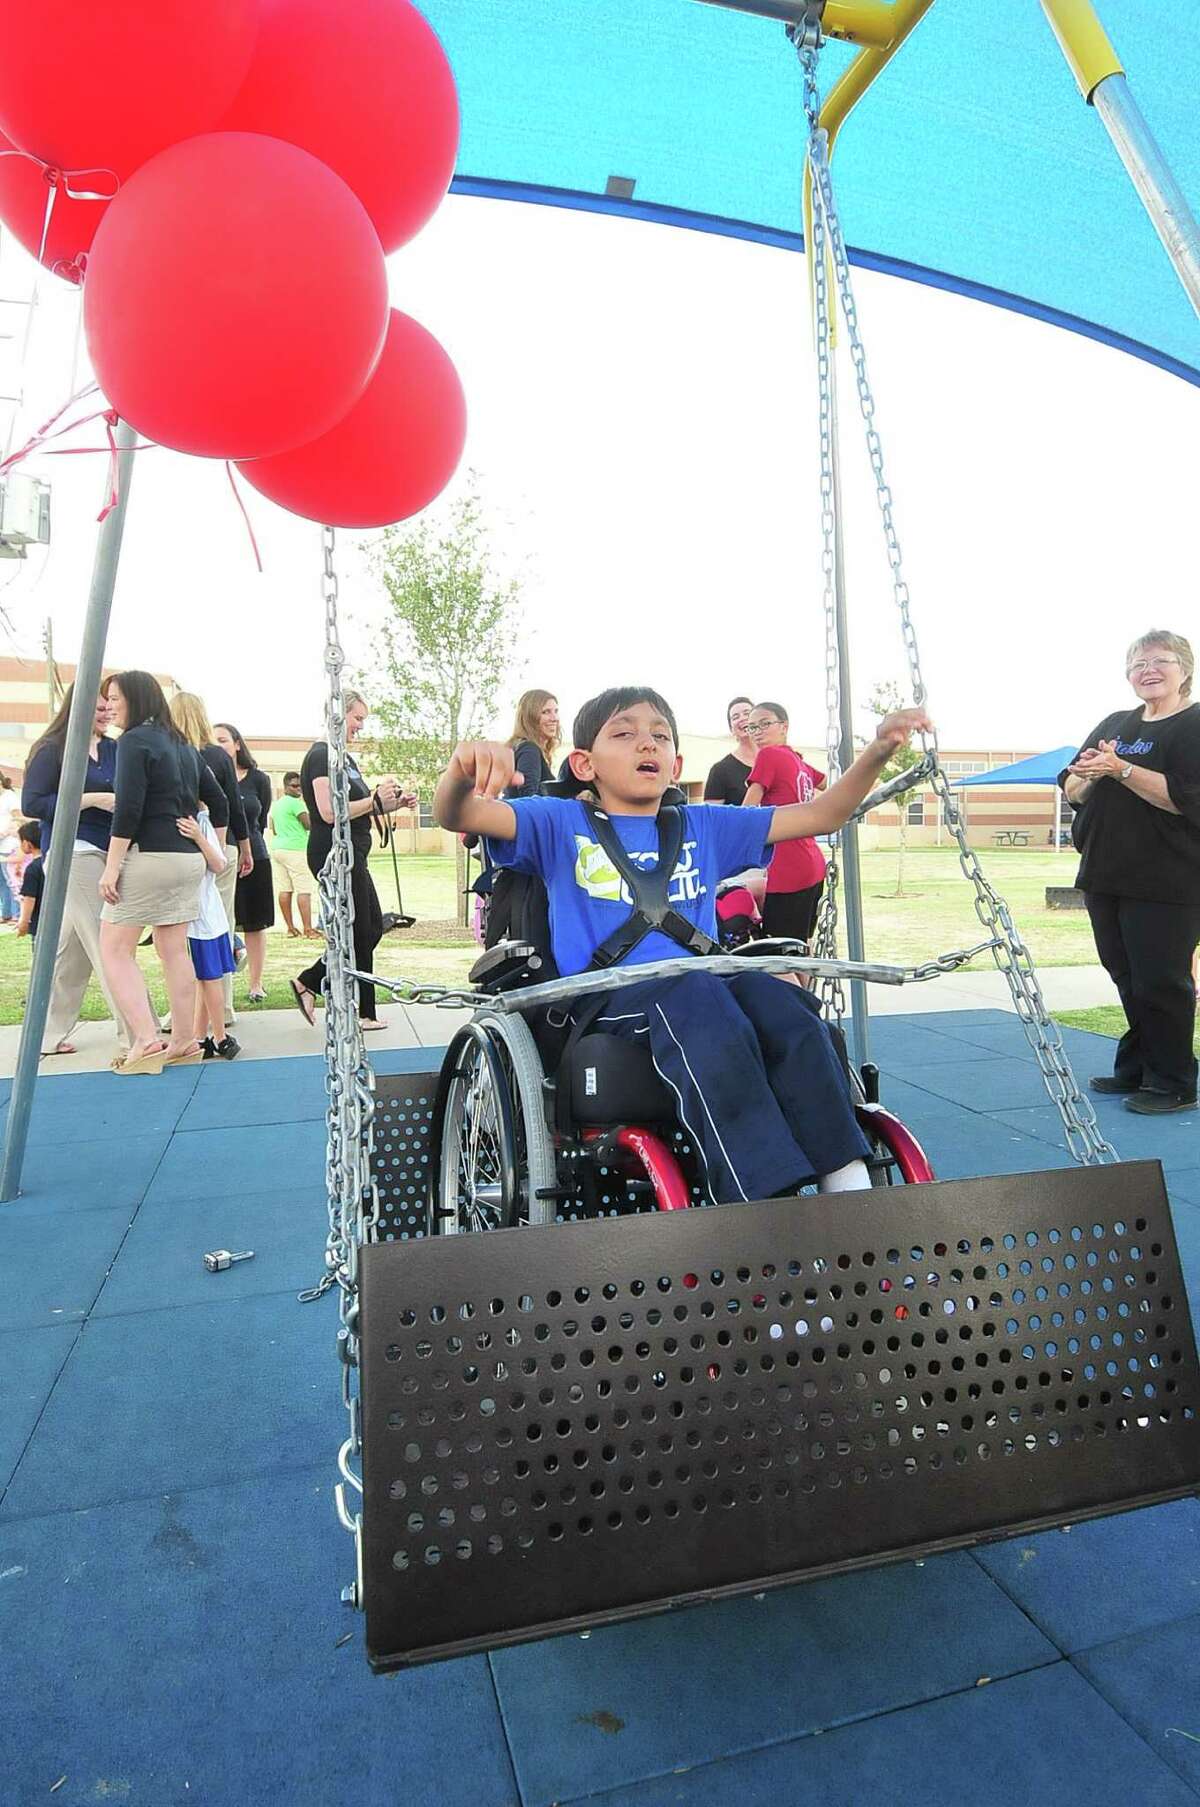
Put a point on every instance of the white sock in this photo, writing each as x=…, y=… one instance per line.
x=853, y=1177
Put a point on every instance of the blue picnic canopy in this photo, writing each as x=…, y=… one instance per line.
x=971, y=164
x=1039, y=768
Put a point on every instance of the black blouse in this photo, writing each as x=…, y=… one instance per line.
x=159, y=779
x=255, y=792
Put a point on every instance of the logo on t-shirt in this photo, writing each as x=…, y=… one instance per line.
x=596, y=875
x=1125, y=747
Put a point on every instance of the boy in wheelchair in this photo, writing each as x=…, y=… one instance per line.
x=759, y=1084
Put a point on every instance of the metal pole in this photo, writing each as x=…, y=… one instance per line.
x=851, y=872
x=1150, y=173
x=66, y=819
x=1100, y=78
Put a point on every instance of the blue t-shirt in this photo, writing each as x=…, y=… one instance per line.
x=589, y=898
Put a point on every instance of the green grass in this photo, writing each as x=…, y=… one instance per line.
x=1105, y=1019
x=935, y=914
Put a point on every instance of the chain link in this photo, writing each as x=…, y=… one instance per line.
x=349, y=1081
x=831, y=993
x=1009, y=951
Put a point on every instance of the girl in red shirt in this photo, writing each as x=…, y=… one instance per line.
x=797, y=872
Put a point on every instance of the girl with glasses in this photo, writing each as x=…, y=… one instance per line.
x=780, y=776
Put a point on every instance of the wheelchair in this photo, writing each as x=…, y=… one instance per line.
x=533, y=1124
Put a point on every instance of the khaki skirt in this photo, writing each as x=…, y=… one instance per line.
x=157, y=889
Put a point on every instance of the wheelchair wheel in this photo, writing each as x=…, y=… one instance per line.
x=494, y=1151
x=896, y=1158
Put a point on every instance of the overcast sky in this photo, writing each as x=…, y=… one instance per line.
x=643, y=423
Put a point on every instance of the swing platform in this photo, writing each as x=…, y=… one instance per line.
x=170, y=1561
x=569, y=1425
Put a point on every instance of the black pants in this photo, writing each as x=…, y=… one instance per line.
x=792, y=914
x=1146, y=950
x=368, y=931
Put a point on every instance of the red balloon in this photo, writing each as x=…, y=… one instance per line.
x=106, y=86
x=236, y=297
x=393, y=453
x=24, y=191
x=368, y=90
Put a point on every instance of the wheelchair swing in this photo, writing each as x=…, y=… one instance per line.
x=551, y=1428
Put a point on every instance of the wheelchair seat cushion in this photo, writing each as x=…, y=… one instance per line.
x=615, y=1081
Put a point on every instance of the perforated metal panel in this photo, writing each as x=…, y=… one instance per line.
x=400, y=1163
x=568, y=1425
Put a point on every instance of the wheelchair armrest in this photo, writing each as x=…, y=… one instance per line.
x=504, y=966
x=770, y=944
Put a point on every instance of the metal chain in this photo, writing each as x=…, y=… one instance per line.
x=830, y=991
x=1010, y=952
x=349, y=1081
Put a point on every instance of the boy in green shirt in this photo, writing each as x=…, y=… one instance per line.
x=289, y=828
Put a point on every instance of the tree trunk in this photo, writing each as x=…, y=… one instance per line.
x=463, y=913
x=899, y=892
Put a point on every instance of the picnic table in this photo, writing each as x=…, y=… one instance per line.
x=1011, y=837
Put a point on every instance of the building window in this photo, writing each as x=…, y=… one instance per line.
x=915, y=814
x=425, y=815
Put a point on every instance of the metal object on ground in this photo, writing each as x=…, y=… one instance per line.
x=70, y=790
x=217, y=1260
x=570, y=1425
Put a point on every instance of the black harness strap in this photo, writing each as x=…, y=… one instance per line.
x=650, y=890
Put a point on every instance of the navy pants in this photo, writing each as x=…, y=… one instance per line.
x=760, y=1087
x=1146, y=950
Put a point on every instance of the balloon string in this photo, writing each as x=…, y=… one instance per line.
x=39, y=442
x=51, y=197
x=237, y=496
x=45, y=432
x=63, y=178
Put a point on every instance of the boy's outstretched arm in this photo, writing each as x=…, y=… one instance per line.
x=829, y=809
x=468, y=792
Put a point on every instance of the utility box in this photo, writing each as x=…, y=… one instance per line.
x=24, y=514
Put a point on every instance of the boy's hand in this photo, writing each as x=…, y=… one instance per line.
x=486, y=765
x=894, y=730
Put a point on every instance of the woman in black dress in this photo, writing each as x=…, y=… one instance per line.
x=254, y=898
x=1135, y=784
x=368, y=917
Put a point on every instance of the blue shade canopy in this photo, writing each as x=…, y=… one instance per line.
x=1041, y=768
x=971, y=164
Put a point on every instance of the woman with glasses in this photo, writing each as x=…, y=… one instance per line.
x=797, y=873
x=1135, y=784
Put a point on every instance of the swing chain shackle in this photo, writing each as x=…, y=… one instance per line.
x=349, y=1081
x=1080, y=1127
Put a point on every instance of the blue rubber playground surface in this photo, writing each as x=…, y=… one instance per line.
x=170, y=1561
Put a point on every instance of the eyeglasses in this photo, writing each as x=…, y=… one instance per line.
x=761, y=727
x=1142, y=665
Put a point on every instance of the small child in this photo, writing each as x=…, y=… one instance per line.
x=211, y=948
x=759, y=1083
x=29, y=838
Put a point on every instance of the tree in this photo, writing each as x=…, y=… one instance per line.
x=446, y=645
x=883, y=700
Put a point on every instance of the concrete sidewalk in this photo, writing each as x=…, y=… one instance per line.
x=283, y=1034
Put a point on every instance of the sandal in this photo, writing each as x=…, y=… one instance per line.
x=152, y=1061
x=370, y=1022
x=306, y=1002
x=190, y=1057
x=256, y=997
x=62, y=1048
